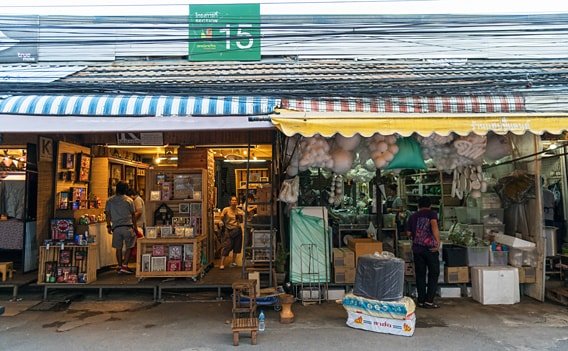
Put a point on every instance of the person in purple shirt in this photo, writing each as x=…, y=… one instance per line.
x=422, y=226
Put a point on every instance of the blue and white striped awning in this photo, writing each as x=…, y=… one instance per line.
x=137, y=105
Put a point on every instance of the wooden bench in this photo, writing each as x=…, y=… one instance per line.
x=7, y=268
x=244, y=325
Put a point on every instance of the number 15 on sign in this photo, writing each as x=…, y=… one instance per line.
x=228, y=32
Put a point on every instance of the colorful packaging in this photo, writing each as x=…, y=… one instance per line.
x=404, y=327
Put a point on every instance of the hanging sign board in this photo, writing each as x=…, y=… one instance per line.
x=229, y=32
x=141, y=139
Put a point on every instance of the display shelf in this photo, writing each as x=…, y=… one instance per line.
x=182, y=204
x=189, y=260
x=77, y=261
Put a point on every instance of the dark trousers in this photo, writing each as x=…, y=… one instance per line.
x=426, y=261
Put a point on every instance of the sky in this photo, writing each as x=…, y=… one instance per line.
x=283, y=7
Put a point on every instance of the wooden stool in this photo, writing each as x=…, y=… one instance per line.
x=244, y=325
x=7, y=268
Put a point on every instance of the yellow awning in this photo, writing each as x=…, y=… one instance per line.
x=367, y=124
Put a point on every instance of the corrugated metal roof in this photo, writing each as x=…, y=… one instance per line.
x=36, y=73
x=323, y=77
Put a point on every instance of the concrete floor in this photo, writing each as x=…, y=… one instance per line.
x=127, y=321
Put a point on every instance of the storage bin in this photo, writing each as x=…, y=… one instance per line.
x=478, y=256
x=519, y=257
x=490, y=216
x=489, y=200
x=499, y=258
x=454, y=255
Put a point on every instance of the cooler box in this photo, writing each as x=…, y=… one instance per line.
x=495, y=285
x=379, y=277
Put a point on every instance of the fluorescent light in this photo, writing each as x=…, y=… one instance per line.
x=245, y=161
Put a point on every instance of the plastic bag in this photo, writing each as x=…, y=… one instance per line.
x=409, y=155
x=290, y=190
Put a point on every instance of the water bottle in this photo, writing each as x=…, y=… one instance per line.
x=261, y=325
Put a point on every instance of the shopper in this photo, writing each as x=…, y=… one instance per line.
x=140, y=211
x=121, y=223
x=232, y=217
x=423, y=228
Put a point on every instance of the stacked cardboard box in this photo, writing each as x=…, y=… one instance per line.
x=364, y=246
x=344, y=265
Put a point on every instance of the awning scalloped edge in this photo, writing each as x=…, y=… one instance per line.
x=425, y=124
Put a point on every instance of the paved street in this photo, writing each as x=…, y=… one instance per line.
x=132, y=322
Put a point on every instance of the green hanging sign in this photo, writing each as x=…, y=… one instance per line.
x=228, y=32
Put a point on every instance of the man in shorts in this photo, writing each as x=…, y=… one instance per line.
x=232, y=217
x=121, y=223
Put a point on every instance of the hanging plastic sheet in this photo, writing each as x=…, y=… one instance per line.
x=309, y=246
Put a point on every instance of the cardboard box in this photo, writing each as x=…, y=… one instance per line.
x=405, y=250
x=364, y=246
x=344, y=275
x=527, y=275
x=343, y=257
x=455, y=275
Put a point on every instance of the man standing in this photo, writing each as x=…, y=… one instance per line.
x=423, y=228
x=140, y=210
x=121, y=223
x=232, y=217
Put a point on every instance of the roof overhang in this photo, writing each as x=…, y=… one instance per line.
x=366, y=124
x=10, y=123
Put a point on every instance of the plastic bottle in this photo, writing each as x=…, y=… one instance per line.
x=261, y=324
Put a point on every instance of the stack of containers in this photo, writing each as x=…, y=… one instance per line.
x=456, y=270
x=344, y=265
x=377, y=303
x=525, y=259
x=405, y=254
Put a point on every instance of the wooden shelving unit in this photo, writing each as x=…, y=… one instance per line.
x=185, y=193
x=84, y=258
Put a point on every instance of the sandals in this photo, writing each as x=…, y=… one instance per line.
x=430, y=305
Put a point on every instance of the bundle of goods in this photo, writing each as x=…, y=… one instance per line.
x=377, y=303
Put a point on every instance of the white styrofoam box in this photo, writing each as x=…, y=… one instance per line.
x=449, y=292
x=512, y=241
x=335, y=294
x=495, y=285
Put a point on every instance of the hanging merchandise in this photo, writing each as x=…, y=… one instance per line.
x=337, y=191
x=383, y=149
x=292, y=155
x=498, y=146
x=314, y=153
x=516, y=188
x=342, y=160
x=348, y=143
x=360, y=174
x=409, y=155
x=289, y=190
x=468, y=179
x=449, y=152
